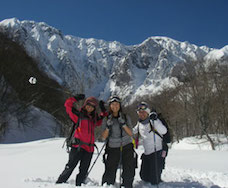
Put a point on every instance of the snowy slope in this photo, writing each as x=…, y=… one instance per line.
x=39, y=125
x=39, y=163
x=217, y=55
x=98, y=67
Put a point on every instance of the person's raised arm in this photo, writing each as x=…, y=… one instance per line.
x=71, y=111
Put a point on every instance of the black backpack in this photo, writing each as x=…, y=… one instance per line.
x=166, y=137
x=70, y=140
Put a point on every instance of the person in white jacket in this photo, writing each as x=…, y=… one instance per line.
x=151, y=130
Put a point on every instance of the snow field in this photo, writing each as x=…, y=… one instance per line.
x=39, y=163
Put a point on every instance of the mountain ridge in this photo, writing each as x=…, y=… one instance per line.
x=101, y=68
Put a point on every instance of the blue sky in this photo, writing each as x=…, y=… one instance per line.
x=200, y=22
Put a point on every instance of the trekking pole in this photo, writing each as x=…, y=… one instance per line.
x=121, y=148
x=96, y=159
x=121, y=155
x=155, y=149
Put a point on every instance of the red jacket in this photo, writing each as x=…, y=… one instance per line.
x=87, y=124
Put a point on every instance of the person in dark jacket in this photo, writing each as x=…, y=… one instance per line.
x=119, y=148
x=87, y=119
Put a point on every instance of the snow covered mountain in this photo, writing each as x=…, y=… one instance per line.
x=98, y=67
x=79, y=64
x=218, y=55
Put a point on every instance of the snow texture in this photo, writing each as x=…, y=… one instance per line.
x=39, y=163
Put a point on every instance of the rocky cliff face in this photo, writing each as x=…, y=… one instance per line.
x=101, y=68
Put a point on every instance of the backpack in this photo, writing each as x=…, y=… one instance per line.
x=70, y=140
x=166, y=137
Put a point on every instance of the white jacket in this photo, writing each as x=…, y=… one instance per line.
x=149, y=137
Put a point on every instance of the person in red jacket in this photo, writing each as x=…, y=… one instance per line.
x=86, y=119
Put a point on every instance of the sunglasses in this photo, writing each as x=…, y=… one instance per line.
x=89, y=104
x=141, y=107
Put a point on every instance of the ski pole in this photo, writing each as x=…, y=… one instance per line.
x=121, y=148
x=96, y=159
x=121, y=155
x=155, y=149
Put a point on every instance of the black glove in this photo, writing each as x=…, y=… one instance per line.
x=79, y=97
x=102, y=107
x=121, y=121
x=153, y=116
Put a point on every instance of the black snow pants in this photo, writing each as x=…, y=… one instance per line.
x=76, y=155
x=151, y=167
x=112, y=162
